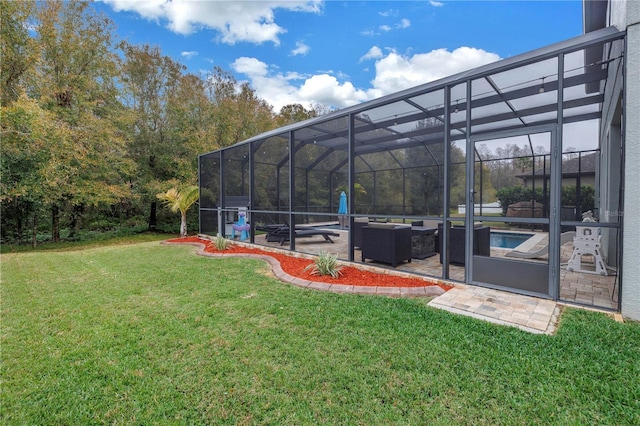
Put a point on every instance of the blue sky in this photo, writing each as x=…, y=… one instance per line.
x=340, y=53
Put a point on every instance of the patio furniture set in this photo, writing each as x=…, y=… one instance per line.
x=389, y=242
x=394, y=243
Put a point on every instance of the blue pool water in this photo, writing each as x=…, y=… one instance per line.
x=507, y=239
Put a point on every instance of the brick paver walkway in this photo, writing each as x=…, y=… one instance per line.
x=525, y=312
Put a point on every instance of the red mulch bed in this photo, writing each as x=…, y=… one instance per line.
x=295, y=266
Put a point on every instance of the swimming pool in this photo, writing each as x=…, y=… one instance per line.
x=508, y=239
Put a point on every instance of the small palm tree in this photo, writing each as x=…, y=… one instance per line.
x=180, y=201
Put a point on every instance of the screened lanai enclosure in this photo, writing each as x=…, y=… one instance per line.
x=502, y=176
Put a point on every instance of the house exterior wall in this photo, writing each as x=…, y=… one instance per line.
x=625, y=15
x=584, y=180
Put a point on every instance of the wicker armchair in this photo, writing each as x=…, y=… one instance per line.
x=386, y=242
x=457, y=248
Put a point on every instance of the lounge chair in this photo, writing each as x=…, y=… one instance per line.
x=281, y=233
x=565, y=237
x=273, y=231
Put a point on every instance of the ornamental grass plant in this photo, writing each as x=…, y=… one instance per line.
x=325, y=264
x=221, y=243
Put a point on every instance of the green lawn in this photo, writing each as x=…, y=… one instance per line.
x=152, y=334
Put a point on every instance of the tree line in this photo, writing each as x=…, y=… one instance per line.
x=93, y=127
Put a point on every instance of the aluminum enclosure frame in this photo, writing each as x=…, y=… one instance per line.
x=364, y=135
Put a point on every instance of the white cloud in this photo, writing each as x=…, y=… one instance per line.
x=301, y=49
x=396, y=72
x=436, y=3
x=404, y=23
x=188, y=55
x=250, y=66
x=327, y=90
x=238, y=21
x=374, y=53
x=390, y=12
x=280, y=89
x=385, y=28
x=149, y=9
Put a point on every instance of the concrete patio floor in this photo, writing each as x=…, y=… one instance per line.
x=575, y=287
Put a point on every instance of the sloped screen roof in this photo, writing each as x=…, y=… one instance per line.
x=509, y=94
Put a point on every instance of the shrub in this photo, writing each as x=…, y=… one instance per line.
x=514, y=194
x=587, y=197
x=325, y=264
x=221, y=243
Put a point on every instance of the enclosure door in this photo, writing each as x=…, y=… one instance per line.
x=512, y=246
